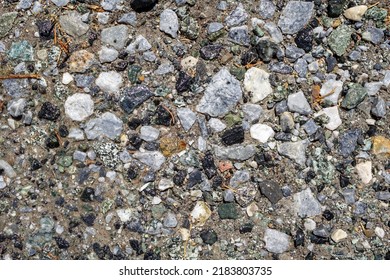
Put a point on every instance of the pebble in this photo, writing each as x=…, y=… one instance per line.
x=240, y=35
x=261, y=132
x=169, y=23
x=294, y=150
x=133, y=97
x=149, y=133
x=16, y=107
x=334, y=117
x=24, y=5
x=3, y=184
x=383, y=195
x=209, y=236
x=216, y=125
x=107, y=54
x=381, y=146
x=154, y=159
x=338, y=235
x=300, y=67
x=67, y=78
x=336, y=7
x=349, y=196
x=79, y=156
x=141, y=6
x=378, y=108
x=266, y=9
x=21, y=51
x=271, y=190
x=125, y=214
x=306, y=204
x=111, y=5
x=227, y=211
x=294, y=52
x=115, y=36
x=348, y=141
x=107, y=125
x=340, y=39
x=286, y=121
x=6, y=22
x=80, y=61
x=331, y=89
x=237, y=17
x=295, y=15
x=355, y=13
x=309, y=224
x=379, y=232
x=79, y=106
x=109, y=82
x=354, y=96
x=252, y=112
x=140, y=44
x=210, y=52
x=49, y=112
x=129, y=18
x=165, y=68
x=72, y=24
x=233, y=136
x=200, y=213
x=187, y=118
x=274, y=32
x=297, y=102
x=275, y=241
x=188, y=63
x=373, y=35
x=221, y=95
x=60, y=3
x=304, y=39
x=165, y=184
x=76, y=134
x=170, y=220
x=364, y=170
x=256, y=83
x=214, y=27
x=235, y=152
x=7, y=169
x=373, y=87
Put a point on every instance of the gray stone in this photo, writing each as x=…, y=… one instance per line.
x=76, y=134
x=140, y=44
x=295, y=16
x=149, y=133
x=286, y=122
x=133, y=97
x=169, y=23
x=322, y=231
x=239, y=35
x=349, y=196
x=383, y=195
x=228, y=196
x=313, y=67
x=79, y=106
x=164, y=68
x=107, y=54
x=360, y=208
x=3, y=184
x=84, y=81
x=239, y=177
x=237, y=17
x=355, y=95
x=111, y=5
x=274, y=32
x=107, y=125
x=271, y=190
x=252, y=112
x=16, y=107
x=294, y=150
x=221, y=95
x=267, y=9
x=340, y=39
x=24, y=5
x=294, y=52
x=6, y=22
x=79, y=156
x=222, y=6
x=72, y=24
x=152, y=159
x=373, y=35
x=297, y=102
x=348, y=141
x=149, y=56
x=300, y=67
x=386, y=78
x=355, y=55
x=115, y=36
x=214, y=27
x=373, y=87
x=7, y=169
x=216, y=125
x=109, y=82
x=60, y=3
x=170, y=220
x=129, y=18
x=187, y=118
x=306, y=205
x=280, y=67
x=235, y=152
x=379, y=107
x=275, y=241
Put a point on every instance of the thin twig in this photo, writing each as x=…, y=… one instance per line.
x=20, y=76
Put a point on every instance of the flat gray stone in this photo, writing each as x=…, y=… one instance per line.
x=266, y=9
x=306, y=205
x=187, y=118
x=115, y=36
x=235, y=152
x=237, y=17
x=16, y=107
x=295, y=16
x=129, y=18
x=107, y=125
x=140, y=44
x=297, y=102
x=221, y=95
x=294, y=150
x=152, y=159
x=275, y=241
x=149, y=133
x=169, y=23
x=72, y=24
x=79, y=106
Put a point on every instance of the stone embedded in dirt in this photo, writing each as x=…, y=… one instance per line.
x=275, y=241
x=115, y=36
x=187, y=118
x=271, y=190
x=108, y=125
x=233, y=136
x=381, y=146
x=294, y=150
x=71, y=22
x=200, y=213
x=143, y=5
x=169, y=23
x=261, y=132
x=295, y=15
x=235, y=152
x=80, y=61
x=79, y=106
x=355, y=13
x=306, y=205
x=256, y=83
x=297, y=102
x=49, y=111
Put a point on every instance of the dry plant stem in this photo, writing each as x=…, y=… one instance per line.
x=20, y=76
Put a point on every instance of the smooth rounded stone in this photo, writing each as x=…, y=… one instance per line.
x=364, y=170
x=286, y=122
x=355, y=95
x=295, y=15
x=79, y=106
x=169, y=23
x=297, y=102
x=373, y=35
x=109, y=81
x=306, y=205
x=16, y=107
x=334, y=117
x=294, y=150
x=340, y=39
x=6, y=22
x=107, y=125
x=378, y=108
x=67, y=78
x=261, y=132
x=154, y=159
x=129, y=18
x=72, y=24
x=266, y=9
x=187, y=118
x=331, y=90
x=188, y=63
x=256, y=83
x=115, y=36
x=76, y=134
x=237, y=17
x=107, y=54
x=60, y=3
x=80, y=61
x=216, y=125
x=200, y=213
x=300, y=67
x=355, y=13
x=275, y=241
x=294, y=52
x=274, y=32
x=252, y=112
x=373, y=87
x=7, y=169
x=239, y=35
x=143, y=5
x=170, y=220
x=140, y=44
x=149, y=133
x=338, y=235
x=235, y=152
x=313, y=67
x=228, y=196
x=165, y=184
x=221, y=95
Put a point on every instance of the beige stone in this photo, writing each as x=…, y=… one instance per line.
x=200, y=214
x=355, y=13
x=338, y=235
x=364, y=171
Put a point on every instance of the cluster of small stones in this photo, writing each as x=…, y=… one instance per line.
x=146, y=129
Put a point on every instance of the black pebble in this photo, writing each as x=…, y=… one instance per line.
x=150, y=255
x=88, y=194
x=208, y=165
x=299, y=239
x=45, y=29
x=210, y=52
x=134, y=123
x=331, y=63
x=209, y=236
x=51, y=141
x=179, y=177
x=143, y=5
x=318, y=240
x=245, y=228
x=131, y=173
x=310, y=175
x=35, y=164
x=61, y=243
x=344, y=181
x=49, y=112
x=163, y=117
x=309, y=256
x=328, y=215
x=136, y=246
x=63, y=131
x=194, y=178
x=184, y=82
x=304, y=39
x=89, y=219
x=135, y=141
x=233, y=136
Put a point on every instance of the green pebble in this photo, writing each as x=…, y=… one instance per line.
x=227, y=211
x=354, y=97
